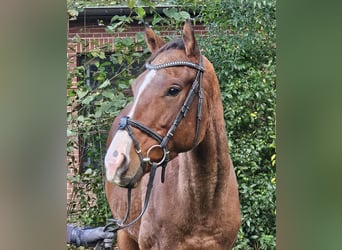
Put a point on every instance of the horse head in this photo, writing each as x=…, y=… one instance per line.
x=168, y=114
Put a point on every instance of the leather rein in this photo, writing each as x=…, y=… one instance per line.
x=126, y=123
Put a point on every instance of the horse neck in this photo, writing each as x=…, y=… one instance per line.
x=204, y=171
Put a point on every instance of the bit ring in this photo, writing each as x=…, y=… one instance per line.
x=148, y=159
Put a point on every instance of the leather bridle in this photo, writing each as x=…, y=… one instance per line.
x=126, y=123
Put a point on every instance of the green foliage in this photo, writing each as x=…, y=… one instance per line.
x=241, y=45
x=92, y=105
x=240, y=42
x=90, y=200
x=74, y=6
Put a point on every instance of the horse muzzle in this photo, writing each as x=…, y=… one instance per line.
x=127, y=182
x=118, y=171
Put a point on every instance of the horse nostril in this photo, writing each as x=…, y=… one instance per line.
x=116, y=165
x=115, y=153
x=122, y=166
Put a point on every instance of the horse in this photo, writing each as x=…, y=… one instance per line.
x=175, y=128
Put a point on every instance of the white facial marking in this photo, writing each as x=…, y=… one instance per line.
x=119, y=146
x=121, y=143
x=148, y=78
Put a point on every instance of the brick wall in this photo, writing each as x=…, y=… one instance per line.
x=94, y=34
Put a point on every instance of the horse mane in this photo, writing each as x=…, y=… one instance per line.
x=174, y=44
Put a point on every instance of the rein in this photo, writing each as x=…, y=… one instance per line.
x=127, y=123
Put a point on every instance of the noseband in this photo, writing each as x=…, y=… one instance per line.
x=126, y=123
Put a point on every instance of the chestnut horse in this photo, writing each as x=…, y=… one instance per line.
x=175, y=123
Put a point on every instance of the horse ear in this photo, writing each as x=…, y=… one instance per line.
x=153, y=41
x=190, y=44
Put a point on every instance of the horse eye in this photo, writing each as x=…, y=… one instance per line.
x=173, y=91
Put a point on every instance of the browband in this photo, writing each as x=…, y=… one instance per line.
x=173, y=64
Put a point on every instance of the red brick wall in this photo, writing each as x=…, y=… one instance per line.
x=97, y=35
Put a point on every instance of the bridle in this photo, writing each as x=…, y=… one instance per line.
x=126, y=123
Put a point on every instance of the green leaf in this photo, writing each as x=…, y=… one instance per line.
x=104, y=84
x=114, y=18
x=102, y=55
x=131, y=4
x=170, y=12
x=106, y=63
x=127, y=41
x=98, y=113
x=81, y=93
x=70, y=132
x=184, y=15
x=89, y=171
x=80, y=118
x=87, y=100
x=108, y=94
x=106, y=106
x=140, y=11
x=156, y=20
x=122, y=85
